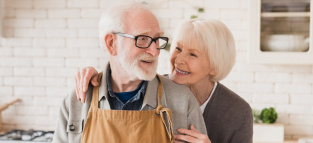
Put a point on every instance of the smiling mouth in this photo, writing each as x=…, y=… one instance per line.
x=146, y=61
x=181, y=72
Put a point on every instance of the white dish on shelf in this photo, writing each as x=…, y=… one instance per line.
x=285, y=43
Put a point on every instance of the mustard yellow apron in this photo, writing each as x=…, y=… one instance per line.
x=127, y=126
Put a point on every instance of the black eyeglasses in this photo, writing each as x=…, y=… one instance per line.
x=143, y=41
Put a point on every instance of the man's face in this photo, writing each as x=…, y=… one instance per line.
x=139, y=63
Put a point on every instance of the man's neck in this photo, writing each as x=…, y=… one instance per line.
x=121, y=81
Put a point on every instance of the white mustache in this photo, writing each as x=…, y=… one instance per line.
x=147, y=57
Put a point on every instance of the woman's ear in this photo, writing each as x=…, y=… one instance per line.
x=109, y=40
x=212, y=72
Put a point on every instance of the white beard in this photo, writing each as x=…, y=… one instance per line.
x=132, y=66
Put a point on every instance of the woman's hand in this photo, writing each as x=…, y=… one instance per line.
x=192, y=136
x=82, y=79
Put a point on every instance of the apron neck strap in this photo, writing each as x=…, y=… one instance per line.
x=160, y=88
x=95, y=93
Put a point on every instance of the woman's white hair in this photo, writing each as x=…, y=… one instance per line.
x=112, y=19
x=212, y=37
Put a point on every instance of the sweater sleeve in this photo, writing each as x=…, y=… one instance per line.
x=245, y=133
x=60, y=134
x=195, y=116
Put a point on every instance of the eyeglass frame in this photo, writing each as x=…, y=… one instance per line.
x=136, y=37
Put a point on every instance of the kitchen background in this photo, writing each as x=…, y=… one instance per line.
x=45, y=42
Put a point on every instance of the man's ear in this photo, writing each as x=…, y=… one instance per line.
x=109, y=40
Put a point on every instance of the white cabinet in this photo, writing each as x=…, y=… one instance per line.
x=281, y=32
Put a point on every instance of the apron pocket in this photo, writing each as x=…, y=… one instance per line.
x=74, y=126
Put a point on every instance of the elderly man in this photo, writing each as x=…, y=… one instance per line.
x=132, y=103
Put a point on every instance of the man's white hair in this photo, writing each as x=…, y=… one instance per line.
x=112, y=19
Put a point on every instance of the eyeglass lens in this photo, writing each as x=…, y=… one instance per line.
x=145, y=42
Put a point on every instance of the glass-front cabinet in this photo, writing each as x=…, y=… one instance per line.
x=281, y=32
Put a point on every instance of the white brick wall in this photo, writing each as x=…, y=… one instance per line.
x=83, y=4
x=83, y=23
x=64, y=13
x=18, y=23
x=46, y=41
x=29, y=32
x=61, y=33
x=30, y=13
x=91, y=13
x=50, y=23
x=18, y=4
x=49, y=4
x=28, y=72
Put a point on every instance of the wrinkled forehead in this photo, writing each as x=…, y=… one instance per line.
x=142, y=22
x=142, y=31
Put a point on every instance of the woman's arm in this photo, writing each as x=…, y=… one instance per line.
x=82, y=79
x=245, y=133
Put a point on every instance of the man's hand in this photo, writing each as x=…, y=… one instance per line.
x=191, y=136
x=82, y=79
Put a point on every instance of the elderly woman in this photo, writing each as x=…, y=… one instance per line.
x=203, y=53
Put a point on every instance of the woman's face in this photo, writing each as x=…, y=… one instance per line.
x=189, y=65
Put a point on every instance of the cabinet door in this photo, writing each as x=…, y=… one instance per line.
x=281, y=32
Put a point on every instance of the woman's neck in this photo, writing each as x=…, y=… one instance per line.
x=202, y=89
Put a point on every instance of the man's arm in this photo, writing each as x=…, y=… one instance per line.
x=60, y=134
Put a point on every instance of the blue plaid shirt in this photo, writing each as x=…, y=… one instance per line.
x=134, y=103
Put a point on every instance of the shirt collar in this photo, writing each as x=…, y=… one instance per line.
x=103, y=85
x=202, y=107
x=140, y=93
x=150, y=93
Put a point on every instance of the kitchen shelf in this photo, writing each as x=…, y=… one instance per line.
x=285, y=14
